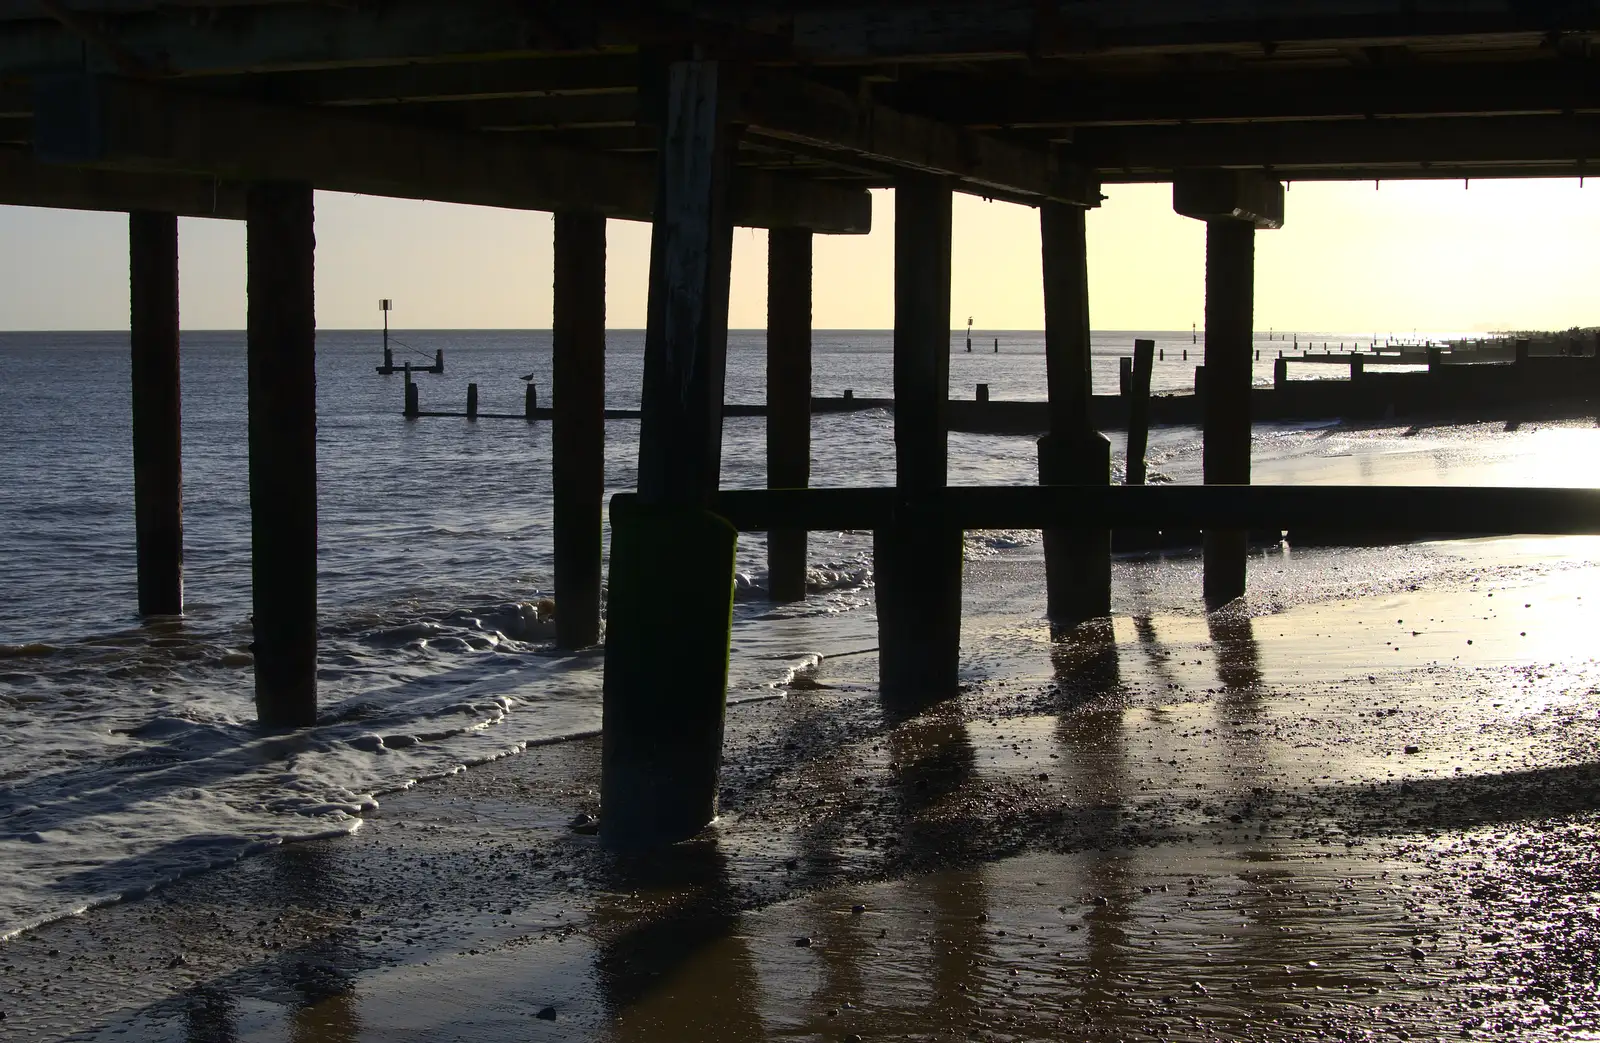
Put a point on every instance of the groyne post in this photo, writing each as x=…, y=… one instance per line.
x=917, y=559
x=788, y=398
x=413, y=404
x=472, y=401
x=1233, y=205
x=281, y=349
x=578, y=428
x=1125, y=376
x=1077, y=560
x=1139, y=409
x=1280, y=373
x=157, y=411
x=666, y=672
x=530, y=401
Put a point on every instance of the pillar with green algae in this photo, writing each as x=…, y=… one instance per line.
x=670, y=598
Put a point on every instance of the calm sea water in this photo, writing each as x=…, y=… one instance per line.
x=127, y=753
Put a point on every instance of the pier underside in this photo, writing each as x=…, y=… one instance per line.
x=547, y=107
x=700, y=117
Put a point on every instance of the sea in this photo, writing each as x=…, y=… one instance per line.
x=128, y=751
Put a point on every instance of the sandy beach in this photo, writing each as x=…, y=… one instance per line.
x=1351, y=818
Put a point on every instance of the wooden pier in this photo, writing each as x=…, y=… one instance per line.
x=782, y=116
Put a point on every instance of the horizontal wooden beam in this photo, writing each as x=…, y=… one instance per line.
x=1263, y=92
x=288, y=36
x=226, y=37
x=865, y=32
x=822, y=119
x=1294, y=150
x=126, y=125
x=442, y=81
x=24, y=181
x=1353, y=509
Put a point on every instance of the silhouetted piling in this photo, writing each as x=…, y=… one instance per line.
x=1139, y=409
x=982, y=392
x=578, y=430
x=1230, y=293
x=788, y=398
x=666, y=673
x=281, y=320
x=1125, y=376
x=530, y=402
x=917, y=559
x=1077, y=560
x=472, y=401
x=157, y=411
x=413, y=407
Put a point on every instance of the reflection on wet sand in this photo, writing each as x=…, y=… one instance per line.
x=1238, y=657
x=1084, y=659
x=1155, y=844
x=669, y=961
x=209, y=1015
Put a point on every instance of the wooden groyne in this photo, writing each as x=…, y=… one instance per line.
x=1470, y=390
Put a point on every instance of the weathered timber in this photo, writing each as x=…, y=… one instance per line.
x=157, y=411
x=127, y=125
x=1077, y=558
x=578, y=437
x=798, y=110
x=1139, y=410
x=1542, y=83
x=662, y=743
x=917, y=560
x=1354, y=509
x=387, y=85
x=296, y=36
x=1520, y=146
x=1234, y=195
x=1230, y=294
x=281, y=349
x=24, y=181
x=788, y=399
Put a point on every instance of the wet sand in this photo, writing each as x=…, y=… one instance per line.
x=1336, y=821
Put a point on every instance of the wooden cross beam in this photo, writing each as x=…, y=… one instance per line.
x=24, y=181
x=820, y=118
x=136, y=126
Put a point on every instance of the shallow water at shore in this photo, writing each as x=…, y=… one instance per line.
x=128, y=755
x=1180, y=827
x=128, y=762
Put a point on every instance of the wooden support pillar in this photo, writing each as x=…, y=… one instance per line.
x=667, y=672
x=1233, y=204
x=1077, y=561
x=1230, y=294
x=578, y=428
x=281, y=339
x=157, y=411
x=917, y=559
x=788, y=398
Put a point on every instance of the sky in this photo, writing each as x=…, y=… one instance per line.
x=1356, y=257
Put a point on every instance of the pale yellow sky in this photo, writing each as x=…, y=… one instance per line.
x=1495, y=255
